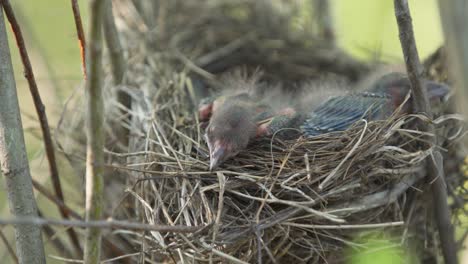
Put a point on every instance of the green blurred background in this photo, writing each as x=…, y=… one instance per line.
x=365, y=28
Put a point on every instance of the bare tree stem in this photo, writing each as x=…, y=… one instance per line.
x=94, y=133
x=13, y=159
x=421, y=103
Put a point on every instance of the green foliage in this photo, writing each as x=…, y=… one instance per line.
x=368, y=29
x=377, y=248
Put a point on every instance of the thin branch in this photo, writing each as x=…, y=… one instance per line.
x=41, y=113
x=66, y=260
x=421, y=103
x=51, y=234
x=80, y=33
x=8, y=246
x=442, y=210
x=115, y=250
x=410, y=52
x=361, y=226
x=13, y=159
x=94, y=133
x=101, y=224
x=55, y=200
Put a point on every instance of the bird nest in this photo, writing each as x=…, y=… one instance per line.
x=304, y=199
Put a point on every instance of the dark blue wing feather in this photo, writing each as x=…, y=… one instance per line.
x=339, y=113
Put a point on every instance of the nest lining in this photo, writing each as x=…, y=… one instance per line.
x=269, y=198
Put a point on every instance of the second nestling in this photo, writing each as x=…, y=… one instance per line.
x=237, y=119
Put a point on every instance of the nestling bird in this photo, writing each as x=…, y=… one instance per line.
x=235, y=120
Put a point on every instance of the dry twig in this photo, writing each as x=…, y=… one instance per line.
x=80, y=33
x=113, y=248
x=103, y=224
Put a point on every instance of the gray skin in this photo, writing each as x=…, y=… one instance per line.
x=229, y=131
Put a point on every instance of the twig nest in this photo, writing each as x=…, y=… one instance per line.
x=299, y=199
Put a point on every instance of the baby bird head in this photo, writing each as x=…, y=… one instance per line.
x=397, y=85
x=231, y=128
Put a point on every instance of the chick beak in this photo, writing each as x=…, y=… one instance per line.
x=217, y=156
